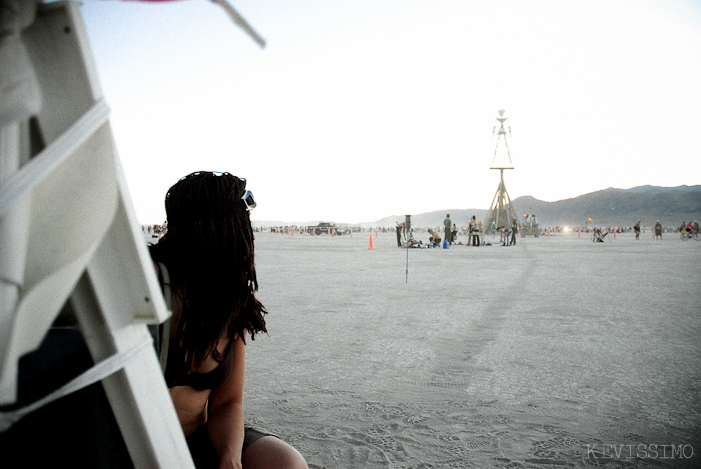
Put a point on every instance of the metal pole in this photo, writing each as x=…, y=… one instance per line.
x=407, y=227
x=407, y=263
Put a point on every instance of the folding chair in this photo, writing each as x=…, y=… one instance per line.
x=69, y=239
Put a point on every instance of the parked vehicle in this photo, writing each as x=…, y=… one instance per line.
x=323, y=228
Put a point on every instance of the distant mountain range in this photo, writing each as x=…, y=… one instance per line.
x=608, y=207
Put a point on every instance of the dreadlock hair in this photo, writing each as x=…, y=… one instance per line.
x=208, y=249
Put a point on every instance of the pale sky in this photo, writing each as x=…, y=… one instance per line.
x=360, y=109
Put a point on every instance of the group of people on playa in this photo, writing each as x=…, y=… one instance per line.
x=691, y=227
x=507, y=234
x=450, y=231
x=657, y=230
x=155, y=230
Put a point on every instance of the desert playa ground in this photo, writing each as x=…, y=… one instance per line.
x=556, y=352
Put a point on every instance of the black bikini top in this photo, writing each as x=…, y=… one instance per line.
x=202, y=381
x=198, y=381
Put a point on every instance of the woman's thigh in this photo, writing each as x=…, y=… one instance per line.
x=271, y=452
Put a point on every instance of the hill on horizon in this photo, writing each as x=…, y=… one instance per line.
x=607, y=208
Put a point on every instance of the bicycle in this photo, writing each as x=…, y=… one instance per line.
x=695, y=234
x=599, y=236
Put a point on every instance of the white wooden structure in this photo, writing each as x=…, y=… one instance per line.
x=68, y=232
x=501, y=212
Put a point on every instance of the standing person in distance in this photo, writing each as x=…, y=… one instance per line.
x=448, y=225
x=474, y=231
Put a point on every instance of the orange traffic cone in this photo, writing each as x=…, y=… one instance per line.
x=371, y=246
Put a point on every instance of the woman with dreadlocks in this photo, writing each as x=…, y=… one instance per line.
x=205, y=265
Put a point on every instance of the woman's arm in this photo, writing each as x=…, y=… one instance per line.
x=225, y=422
